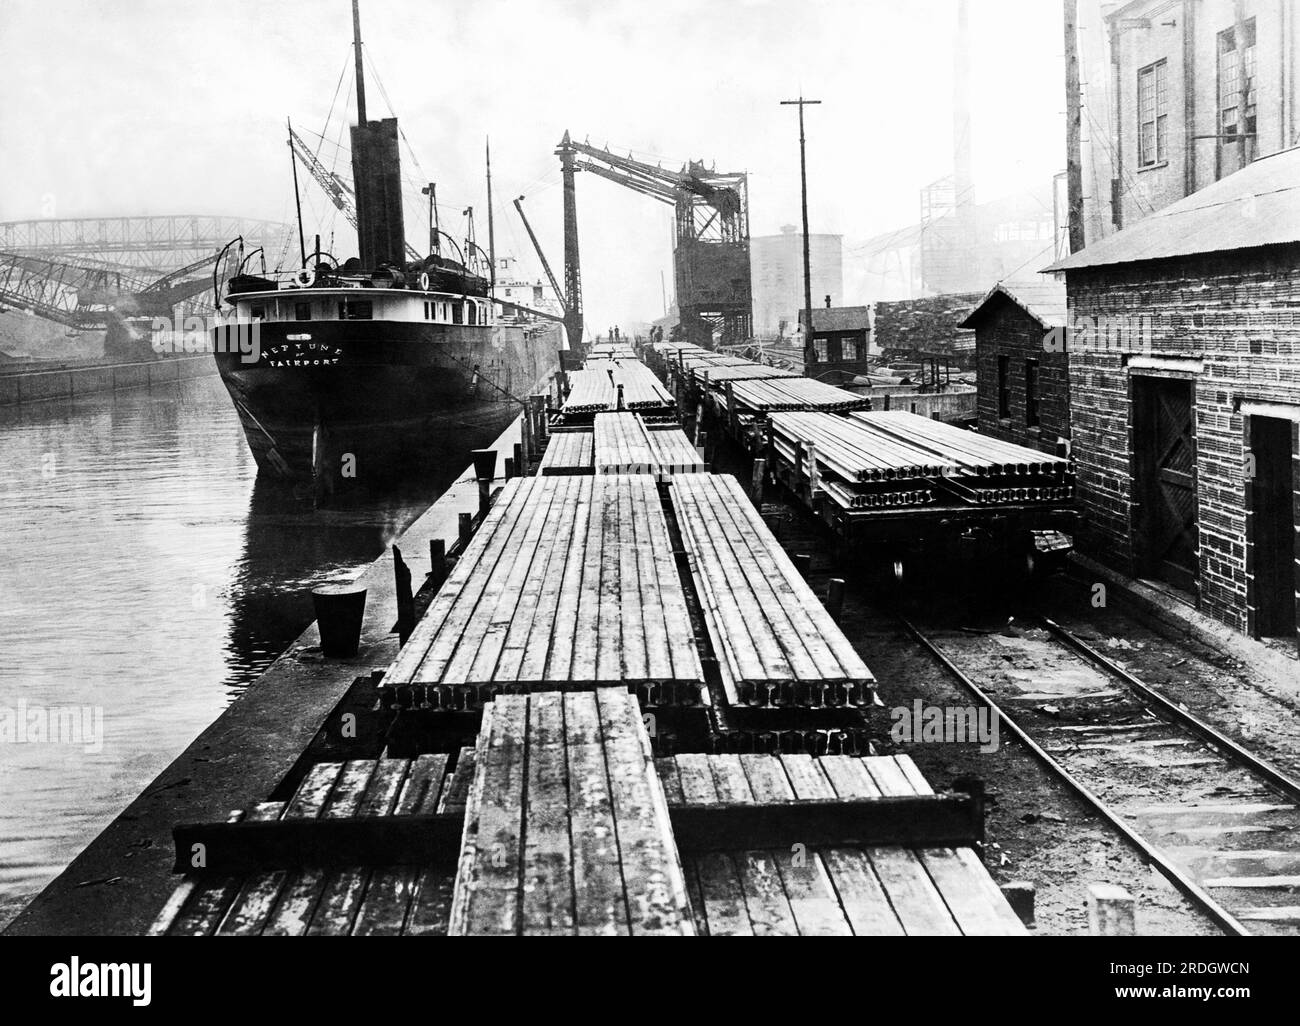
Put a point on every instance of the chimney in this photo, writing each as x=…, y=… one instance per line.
x=828, y=302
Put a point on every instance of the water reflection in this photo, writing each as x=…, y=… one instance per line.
x=147, y=573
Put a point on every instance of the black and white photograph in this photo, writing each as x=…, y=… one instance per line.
x=598, y=468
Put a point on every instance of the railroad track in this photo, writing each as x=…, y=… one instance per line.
x=1220, y=823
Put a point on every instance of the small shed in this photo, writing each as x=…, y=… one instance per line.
x=840, y=340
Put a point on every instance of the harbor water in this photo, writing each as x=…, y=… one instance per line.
x=148, y=577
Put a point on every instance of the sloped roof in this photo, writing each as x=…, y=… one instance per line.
x=1042, y=297
x=1257, y=206
x=840, y=318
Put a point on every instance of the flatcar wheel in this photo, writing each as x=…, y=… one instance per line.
x=899, y=573
x=1033, y=567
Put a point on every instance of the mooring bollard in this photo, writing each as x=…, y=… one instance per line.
x=510, y=468
x=835, y=599
x=621, y=404
x=485, y=470
x=803, y=563
x=340, y=608
x=466, y=529
x=520, y=466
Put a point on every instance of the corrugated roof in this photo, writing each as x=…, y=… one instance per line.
x=840, y=318
x=1042, y=297
x=1257, y=206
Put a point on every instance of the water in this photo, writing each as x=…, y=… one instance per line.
x=148, y=577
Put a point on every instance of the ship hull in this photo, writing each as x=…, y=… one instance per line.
x=363, y=403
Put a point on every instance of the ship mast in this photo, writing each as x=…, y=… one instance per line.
x=361, y=77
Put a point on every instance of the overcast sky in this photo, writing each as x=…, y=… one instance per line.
x=178, y=106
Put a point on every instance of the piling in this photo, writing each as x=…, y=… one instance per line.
x=405, y=596
x=485, y=470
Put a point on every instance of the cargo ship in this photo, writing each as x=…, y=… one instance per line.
x=380, y=365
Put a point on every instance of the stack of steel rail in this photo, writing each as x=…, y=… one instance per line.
x=595, y=389
x=987, y=471
x=773, y=395
x=611, y=351
x=624, y=444
x=748, y=371
x=856, y=468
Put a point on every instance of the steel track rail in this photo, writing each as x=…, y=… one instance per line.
x=1185, y=884
x=1225, y=745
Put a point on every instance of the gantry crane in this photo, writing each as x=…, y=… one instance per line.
x=711, y=256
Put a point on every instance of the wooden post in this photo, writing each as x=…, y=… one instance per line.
x=803, y=563
x=405, y=597
x=485, y=468
x=520, y=466
x=835, y=599
x=526, y=437
x=466, y=529
x=731, y=410
x=621, y=404
x=437, y=562
x=1020, y=896
x=756, y=482
x=1074, y=127
x=814, y=478
x=1110, y=911
x=510, y=468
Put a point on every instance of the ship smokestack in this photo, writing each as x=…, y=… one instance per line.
x=376, y=176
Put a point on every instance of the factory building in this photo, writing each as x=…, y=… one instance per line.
x=777, y=276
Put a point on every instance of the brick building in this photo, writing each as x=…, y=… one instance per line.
x=1184, y=356
x=1024, y=383
x=1168, y=109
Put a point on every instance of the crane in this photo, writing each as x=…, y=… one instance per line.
x=711, y=227
x=564, y=300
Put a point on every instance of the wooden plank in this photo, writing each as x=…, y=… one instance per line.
x=599, y=898
x=548, y=893
x=671, y=780
x=765, y=898
x=861, y=896
x=806, y=777
x=301, y=891
x=812, y=898
x=456, y=794
x=430, y=909
x=388, y=896
x=696, y=778
x=252, y=907
x=652, y=873
x=729, y=778
x=849, y=777
x=916, y=901
x=889, y=777
x=489, y=878
x=423, y=786
x=973, y=899
x=721, y=896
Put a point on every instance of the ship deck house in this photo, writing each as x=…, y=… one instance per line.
x=1184, y=357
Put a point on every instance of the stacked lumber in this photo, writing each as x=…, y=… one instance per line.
x=365, y=890
x=771, y=395
x=569, y=584
x=595, y=389
x=568, y=452
x=567, y=830
x=625, y=444
x=774, y=641
x=746, y=811
x=611, y=351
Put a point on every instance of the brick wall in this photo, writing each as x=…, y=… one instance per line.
x=1008, y=330
x=1240, y=314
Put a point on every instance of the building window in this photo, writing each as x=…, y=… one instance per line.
x=1231, y=85
x=356, y=310
x=1004, y=388
x=821, y=350
x=1153, y=114
x=1031, y=393
x=849, y=350
x=302, y=311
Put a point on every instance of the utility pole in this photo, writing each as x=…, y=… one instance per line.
x=492, y=235
x=807, y=251
x=1074, y=127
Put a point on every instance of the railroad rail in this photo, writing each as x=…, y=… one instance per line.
x=1097, y=732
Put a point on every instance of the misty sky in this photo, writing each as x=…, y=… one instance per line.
x=178, y=106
